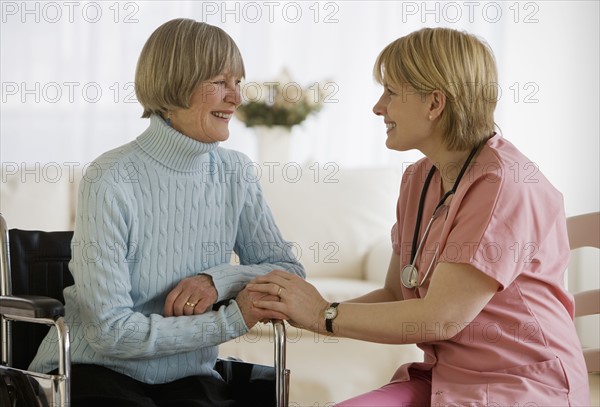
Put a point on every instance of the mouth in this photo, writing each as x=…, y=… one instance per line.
x=223, y=115
x=389, y=125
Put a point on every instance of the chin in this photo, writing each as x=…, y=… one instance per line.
x=397, y=147
x=394, y=146
x=223, y=137
x=219, y=137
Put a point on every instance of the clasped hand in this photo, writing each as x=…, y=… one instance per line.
x=196, y=295
x=193, y=295
x=298, y=301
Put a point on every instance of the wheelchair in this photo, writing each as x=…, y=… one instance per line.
x=33, y=273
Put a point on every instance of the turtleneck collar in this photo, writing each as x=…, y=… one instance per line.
x=172, y=148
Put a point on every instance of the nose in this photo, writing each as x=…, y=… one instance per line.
x=379, y=108
x=233, y=95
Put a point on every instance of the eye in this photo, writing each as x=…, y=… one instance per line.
x=389, y=91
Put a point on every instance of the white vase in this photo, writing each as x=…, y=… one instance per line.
x=274, y=144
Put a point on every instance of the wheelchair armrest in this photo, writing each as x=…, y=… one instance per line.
x=41, y=310
x=31, y=306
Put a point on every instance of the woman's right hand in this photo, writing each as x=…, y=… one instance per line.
x=252, y=314
x=298, y=299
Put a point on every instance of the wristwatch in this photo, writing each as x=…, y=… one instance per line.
x=330, y=314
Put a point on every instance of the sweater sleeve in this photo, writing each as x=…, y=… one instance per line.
x=259, y=244
x=103, y=286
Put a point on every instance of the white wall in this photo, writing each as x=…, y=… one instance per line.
x=55, y=56
x=555, y=63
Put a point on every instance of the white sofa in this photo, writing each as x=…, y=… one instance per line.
x=338, y=221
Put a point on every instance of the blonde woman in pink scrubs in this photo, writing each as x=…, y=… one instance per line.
x=479, y=247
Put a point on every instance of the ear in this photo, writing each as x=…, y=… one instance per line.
x=437, y=103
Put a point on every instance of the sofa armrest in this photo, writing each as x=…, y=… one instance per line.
x=377, y=261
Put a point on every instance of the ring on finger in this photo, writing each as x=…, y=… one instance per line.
x=279, y=291
x=190, y=304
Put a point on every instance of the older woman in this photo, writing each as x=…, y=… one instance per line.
x=479, y=254
x=157, y=221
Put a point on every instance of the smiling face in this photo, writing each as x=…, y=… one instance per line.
x=407, y=115
x=189, y=72
x=455, y=70
x=211, y=107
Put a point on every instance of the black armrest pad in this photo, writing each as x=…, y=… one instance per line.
x=32, y=306
x=221, y=303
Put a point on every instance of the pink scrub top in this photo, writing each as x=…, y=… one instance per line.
x=507, y=221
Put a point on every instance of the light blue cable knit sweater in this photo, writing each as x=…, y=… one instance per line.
x=151, y=213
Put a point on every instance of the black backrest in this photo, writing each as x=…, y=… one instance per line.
x=39, y=266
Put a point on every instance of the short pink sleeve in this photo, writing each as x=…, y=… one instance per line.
x=497, y=223
x=395, y=239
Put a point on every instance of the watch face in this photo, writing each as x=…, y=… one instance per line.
x=330, y=313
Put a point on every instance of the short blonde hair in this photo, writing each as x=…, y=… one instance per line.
x=179, y=56
x=456, y=63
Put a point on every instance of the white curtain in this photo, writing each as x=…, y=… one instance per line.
x=67, y=69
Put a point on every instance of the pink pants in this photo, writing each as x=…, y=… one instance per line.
x=414, y=393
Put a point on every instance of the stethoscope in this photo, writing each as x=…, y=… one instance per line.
x=409, y=275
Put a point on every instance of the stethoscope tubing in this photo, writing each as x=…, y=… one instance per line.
x=411, y=281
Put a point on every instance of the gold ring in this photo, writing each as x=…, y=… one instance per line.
x=190, y=304
x=279, y=291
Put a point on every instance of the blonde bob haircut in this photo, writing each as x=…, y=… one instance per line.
x=457, y=64
x=177, y=58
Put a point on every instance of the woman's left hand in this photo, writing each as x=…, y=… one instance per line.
x=299, y=300
x=193, y=295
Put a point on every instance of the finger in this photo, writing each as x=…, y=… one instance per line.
x=181, y=306
x=271, y=305
x=262, y=279
x=203, y=305
x=169, y=308
x=286, y=275
x=266, y=288
x=263, y=315
x=189, y=306
x=270, y=315
x=275, y=276
x=258, y=287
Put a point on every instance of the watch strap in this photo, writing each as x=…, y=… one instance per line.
x=329, y=322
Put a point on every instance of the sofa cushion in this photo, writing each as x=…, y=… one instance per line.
x=333, y=217
x=342, y=289
x=377, y=261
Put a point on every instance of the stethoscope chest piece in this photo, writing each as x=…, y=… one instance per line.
x=409, y=276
